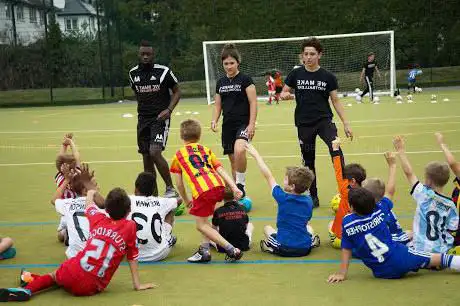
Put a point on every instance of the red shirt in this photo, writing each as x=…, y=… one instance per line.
x=109, y=241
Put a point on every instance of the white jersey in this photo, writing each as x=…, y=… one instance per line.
x=153, y=233
x=73, y=212
x=435, y=218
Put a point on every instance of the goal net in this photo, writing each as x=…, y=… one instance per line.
x=343, y=55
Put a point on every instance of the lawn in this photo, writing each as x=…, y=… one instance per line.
x=29, y=140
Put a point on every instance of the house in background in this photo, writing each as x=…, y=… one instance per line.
x=29, y=18
x=23, y=21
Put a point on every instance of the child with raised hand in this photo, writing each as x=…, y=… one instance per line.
x=295, y=209
x=455, y=167
x=366, y=233
x=205, y=176
x=347, y=177
x=112, y=237
x=436, y=216
x=383, y=195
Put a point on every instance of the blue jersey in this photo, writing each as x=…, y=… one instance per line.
x=396, y=231
x=436, y=217
x=294, y=212
x=371, y=241
x=412, y=75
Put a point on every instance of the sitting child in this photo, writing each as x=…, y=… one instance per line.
x=366, y=233
x=347, y=177
x=383, y=196
x=7, y=251
x=436, y=216
x=232, y=222
x=295, y=209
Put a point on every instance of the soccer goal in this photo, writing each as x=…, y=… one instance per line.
x=343, y=55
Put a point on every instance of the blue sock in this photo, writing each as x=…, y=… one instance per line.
x=10, y=253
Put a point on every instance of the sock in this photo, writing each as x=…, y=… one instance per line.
x=450, y=261
x=41, y=283
x=229, y=248
x=205, y=246
x=240, y=178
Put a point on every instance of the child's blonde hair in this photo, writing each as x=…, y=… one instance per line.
x=300, y=177
x=190, y=130
x=438, y=173
x=65, y=158
x=376, y=186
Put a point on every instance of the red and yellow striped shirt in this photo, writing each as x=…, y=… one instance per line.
x=198, y=164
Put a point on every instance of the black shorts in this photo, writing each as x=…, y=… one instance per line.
x=283, y=251
x=230, y=134
x=278, y=90
x=151, y=131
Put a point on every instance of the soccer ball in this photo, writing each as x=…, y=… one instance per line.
x=335, y=201
x=376, y=100
x=418, y=89
x=454, y=251
x=357, y=90
x=180, y=210
x=358, y=98
x=246, y=203
x=399, y=99
x=433, y=97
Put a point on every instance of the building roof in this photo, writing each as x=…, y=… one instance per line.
x=37, y=3
x=75, y=7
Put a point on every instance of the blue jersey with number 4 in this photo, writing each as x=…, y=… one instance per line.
x=436, y=218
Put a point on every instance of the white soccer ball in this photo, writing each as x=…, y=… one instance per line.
x=358, y=98
x=357, y=90
x=433, y=97
x=399, y=98
x=376, y=99
x=418, y=89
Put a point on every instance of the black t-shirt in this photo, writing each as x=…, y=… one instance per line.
x=235, y=103
x=232, y=221
x=152, y=85
x=369, y=68
x=312, y=91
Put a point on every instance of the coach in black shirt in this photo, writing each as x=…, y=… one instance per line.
x=314, y=86
x=157, y=93
x=367, y=74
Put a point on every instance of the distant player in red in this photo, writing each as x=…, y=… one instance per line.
x=278, y=86
x=271, y=88
x=111, y=238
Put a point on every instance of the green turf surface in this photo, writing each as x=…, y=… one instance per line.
x=29, y=140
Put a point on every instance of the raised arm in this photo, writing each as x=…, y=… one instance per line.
x=262, y=166
x=400, y=146
x=66, y=171
x=390, y=186
x=216, y=112
x=453, y=164
x=75, y=152
x=341, y=112
x=342, y=274
x=252, y=97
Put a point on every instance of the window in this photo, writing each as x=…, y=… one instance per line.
x=74, y=24
x=20, y=13
x=8, y=11
x=33, y=15
x=42, y=17
x=71, y=24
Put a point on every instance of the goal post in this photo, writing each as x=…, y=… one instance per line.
x=343, y=55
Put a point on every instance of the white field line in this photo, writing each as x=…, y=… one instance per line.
x=259, y=125
x=222, y=158
x=54, y=147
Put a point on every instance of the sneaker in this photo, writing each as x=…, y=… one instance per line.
x=14, y=295
x=315, y=202
x=315, y=241
x=201, y=256
x=241, y=187
x=25, y=278
x=265, y=248
x=8, y=254
x=171, y=193
x=234, y=255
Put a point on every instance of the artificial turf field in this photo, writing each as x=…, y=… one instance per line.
x=29, y=140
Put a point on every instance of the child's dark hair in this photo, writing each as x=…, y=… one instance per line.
x=76, y=184
x=438, y=173
x=145, y=43
x=362, y=201
x=145, y=184
x=228, y=194
x=117, y=204
x=190, y=130
x=65, y=158
x=312, y=42
x=355, y=171
x=230, y=50
x=300, y=177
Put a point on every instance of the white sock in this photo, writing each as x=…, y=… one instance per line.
x=241, y=178
x=450, y=261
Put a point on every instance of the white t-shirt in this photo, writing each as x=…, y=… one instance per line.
x=73, y=212
x=149, y=213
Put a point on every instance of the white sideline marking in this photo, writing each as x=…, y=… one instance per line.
x=259, y=125
x=222, y=158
